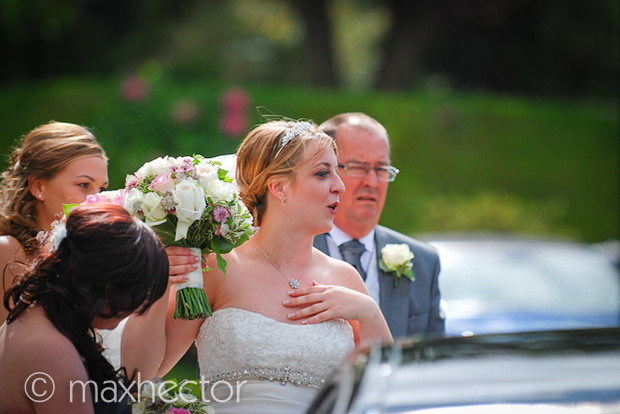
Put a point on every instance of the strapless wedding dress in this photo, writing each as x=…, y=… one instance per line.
x=255, y=364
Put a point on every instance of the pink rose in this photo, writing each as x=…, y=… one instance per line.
x=96, y=198
x=162, y=184
x=131, y=182
x=119, y=198
x=175, y=410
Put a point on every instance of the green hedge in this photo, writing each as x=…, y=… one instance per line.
x=468, y=161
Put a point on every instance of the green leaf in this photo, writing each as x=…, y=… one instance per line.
x=66, y=208
x=222, y=175
x=221, y=262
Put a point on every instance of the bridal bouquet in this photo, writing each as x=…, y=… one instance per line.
x=170, y=397
x=190, y=202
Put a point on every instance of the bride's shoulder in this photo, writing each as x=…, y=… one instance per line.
x=233, y=259
x=337, y=271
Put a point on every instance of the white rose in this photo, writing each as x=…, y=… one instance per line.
x=395, y=255
x=190, y=204
x=229, y=163
x=133, y=201
x=220, y=190
x=153, y=211
x=156, y=167
x=154, y=391
x=206, y=172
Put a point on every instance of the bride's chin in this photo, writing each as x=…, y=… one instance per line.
x=326, y=227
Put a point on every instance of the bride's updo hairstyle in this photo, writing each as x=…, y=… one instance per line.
x=271, y=149
x=41, y=154
x=109, y=264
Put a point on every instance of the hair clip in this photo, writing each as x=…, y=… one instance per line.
x=292, y=133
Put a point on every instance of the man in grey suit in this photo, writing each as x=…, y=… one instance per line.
x=412, y=307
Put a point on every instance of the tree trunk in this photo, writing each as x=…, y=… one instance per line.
x=319, y=59
x=411, y=30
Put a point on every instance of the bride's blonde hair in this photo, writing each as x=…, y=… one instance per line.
x=274, y=149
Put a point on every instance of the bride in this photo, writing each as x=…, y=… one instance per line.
x=285, y=314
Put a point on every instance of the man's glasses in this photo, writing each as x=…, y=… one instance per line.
x=359, y=170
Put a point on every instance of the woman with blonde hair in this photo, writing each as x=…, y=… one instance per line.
x=62, y=163
x=285, y=314
x=55, y=163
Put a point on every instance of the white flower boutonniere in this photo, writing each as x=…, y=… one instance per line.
x=397, y=259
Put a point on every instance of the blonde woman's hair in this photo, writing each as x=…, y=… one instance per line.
x=262, y=156
x=41, y=153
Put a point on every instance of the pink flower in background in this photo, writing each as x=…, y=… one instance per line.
x=234, y=120
x=135, y=89
x=185, y=111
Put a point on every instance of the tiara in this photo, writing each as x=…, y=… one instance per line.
x=292, y=133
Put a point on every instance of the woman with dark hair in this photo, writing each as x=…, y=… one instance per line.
x=104, y=266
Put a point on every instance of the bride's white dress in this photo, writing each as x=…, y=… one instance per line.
x=267, y=366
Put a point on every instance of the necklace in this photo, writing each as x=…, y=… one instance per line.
x=294, y=283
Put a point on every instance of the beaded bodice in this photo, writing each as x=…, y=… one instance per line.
x=238, y=344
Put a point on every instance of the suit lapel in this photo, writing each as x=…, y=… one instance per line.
x=394, y=301
x=320, y=242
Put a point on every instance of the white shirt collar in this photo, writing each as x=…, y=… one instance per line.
x=340, y=237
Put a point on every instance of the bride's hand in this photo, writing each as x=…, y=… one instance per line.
x=322, y=303
x=181, y=262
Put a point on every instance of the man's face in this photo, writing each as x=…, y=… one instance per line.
x=363, y=199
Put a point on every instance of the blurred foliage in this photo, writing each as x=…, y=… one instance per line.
x=467, y=161
x=539, y=47
x=497, y=212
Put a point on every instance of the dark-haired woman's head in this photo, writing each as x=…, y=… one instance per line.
x=108, y=266
x=55, y=163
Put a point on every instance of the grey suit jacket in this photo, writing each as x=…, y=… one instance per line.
x=412, y=308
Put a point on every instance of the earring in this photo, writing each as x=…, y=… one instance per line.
x=283, y=201
x=40, y=196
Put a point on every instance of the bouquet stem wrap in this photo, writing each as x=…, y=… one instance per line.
x=192, y=301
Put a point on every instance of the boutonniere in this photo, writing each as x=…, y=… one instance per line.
x=397, y=259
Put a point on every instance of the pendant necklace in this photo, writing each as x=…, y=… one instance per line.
x=294, y=283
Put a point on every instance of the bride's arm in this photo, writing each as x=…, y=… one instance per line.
x=346, y=299
x=144, y=339
x=180, y=334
